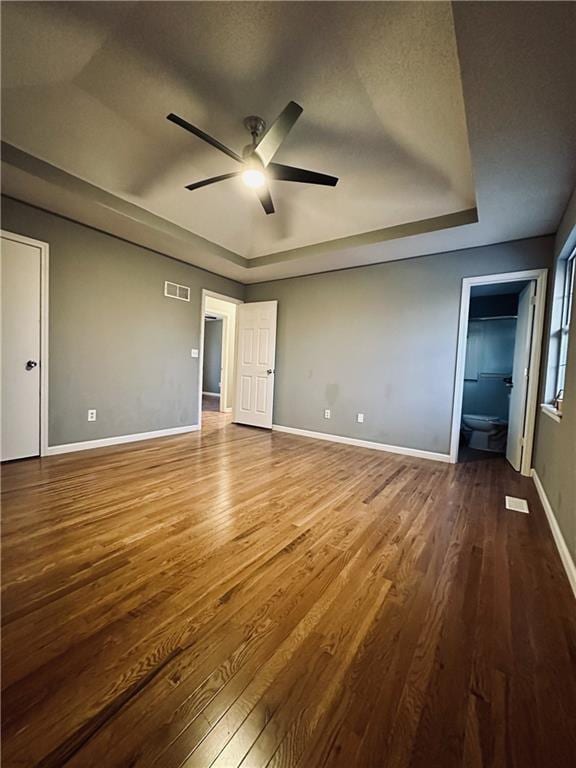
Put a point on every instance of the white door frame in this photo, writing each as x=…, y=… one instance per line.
x=44, y=334
x=540, y=276
x=223, y=297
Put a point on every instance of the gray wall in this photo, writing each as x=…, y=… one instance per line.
x=555, y=443
x=566, y=235
x=380, y=340
x=212, y=355
x=116, y=343
x=489, y=351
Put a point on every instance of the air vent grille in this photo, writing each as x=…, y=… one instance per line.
x=175, y=291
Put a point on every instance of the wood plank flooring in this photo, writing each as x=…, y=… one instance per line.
x=238, y=597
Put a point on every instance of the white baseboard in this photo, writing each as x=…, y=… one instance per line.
x=103, y=442
x=563, y=550
x=211, y=394
x=364, y=443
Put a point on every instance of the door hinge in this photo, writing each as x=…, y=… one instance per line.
x=533, y=300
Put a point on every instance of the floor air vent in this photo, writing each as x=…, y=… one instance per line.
x=517, y=505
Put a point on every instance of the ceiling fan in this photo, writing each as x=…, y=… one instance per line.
x=257, y=156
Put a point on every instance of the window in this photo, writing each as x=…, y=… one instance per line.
x=567, y=297
x=561, y=316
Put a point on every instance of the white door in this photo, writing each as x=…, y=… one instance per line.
x=255, y=363
x=20, y=376
x=521, y=365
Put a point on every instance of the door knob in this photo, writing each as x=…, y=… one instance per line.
x=269, y=371
x=31, y=364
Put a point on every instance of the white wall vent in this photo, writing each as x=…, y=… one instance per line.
x=175, y=291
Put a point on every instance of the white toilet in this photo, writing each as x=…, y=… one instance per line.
x=486, y=433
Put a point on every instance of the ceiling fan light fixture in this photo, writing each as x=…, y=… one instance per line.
x=254, y=178
x=258, y=155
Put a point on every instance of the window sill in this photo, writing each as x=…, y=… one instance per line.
x=550, y=411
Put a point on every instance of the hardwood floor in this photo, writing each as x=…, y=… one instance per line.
x=210, y=403
x=243, y=597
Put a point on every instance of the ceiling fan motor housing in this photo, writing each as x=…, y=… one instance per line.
x=256, y=125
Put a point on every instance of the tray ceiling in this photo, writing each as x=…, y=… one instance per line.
x=86, y=88
x=380, y=86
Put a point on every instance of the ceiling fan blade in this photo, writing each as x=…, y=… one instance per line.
x=275, y=135
x=213, y=180
x=266, y=199
x=289, y=173
x=204, y=136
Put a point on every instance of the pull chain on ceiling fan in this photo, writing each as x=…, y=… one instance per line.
x=257, y=157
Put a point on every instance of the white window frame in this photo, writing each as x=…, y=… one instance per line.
x=559, y=335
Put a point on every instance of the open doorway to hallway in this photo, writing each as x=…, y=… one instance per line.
x=212, y=369
x=217, y=358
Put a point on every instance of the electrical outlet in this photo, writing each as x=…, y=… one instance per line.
x=327, y=413
x=360, y=418
x=92, y=414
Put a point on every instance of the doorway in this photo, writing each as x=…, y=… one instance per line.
x=212, y=369
x=217, y=358
x=498, y=360
x=24, y=342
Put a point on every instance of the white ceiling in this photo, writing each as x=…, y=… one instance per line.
x=424, y=112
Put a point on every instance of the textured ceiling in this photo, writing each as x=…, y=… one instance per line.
x=380, y=87
x=396, y=97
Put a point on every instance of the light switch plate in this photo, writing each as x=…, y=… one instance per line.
x=327, y=413
x=194, y=353
x=360, y=418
